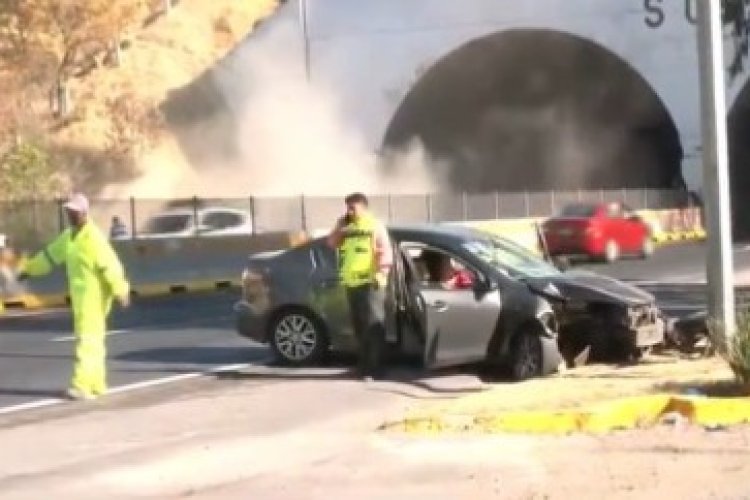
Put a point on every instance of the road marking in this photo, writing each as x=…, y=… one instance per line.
x=42, y=403
x=11, y=313
x=176, y=378
x=68, y=338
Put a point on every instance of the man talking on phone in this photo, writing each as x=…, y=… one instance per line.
x=365, y=260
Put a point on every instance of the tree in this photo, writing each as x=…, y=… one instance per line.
x=57, y=40
x=26, y=172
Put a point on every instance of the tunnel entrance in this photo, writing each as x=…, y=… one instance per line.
x=739, y=163
x=539, y=110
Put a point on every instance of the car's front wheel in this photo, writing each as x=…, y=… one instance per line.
x=297, y=338
x=526, y=356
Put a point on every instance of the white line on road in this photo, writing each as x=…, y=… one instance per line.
x=41, y=403
x=69, y=338
x=127, y=388
x=176, y=378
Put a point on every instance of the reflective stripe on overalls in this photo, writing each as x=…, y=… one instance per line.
x=357, y=253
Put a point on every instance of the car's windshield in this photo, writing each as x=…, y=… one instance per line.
x=167, y=224
x=578, y=210
x=507, y=256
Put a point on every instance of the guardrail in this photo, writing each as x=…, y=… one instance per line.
x=29, y=224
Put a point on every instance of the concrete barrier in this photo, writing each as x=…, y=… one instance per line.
x=164, y=266
x=682, y=224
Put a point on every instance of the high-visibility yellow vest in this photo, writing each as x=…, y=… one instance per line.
x=357, y=252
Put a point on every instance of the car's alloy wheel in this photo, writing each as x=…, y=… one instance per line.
x=611, y=251
x=297, y=338
x=527, y=359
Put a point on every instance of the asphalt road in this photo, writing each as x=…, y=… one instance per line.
x=675, y=264
x=166, y=338
x=151, y=340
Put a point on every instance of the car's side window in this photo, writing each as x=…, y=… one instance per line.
x=436, y=268
x=222, y=220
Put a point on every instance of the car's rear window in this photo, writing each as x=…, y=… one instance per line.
x=578, y=211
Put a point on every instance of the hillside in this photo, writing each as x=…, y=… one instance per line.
x=118, y=129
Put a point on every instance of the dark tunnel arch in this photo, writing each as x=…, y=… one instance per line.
x=739, y=162
x=535, y=109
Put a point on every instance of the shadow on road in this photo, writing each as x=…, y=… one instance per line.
x=396, y=379
x=213, y=355
x=39, y=393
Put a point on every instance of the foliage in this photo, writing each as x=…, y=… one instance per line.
x=26, y=172
x=62, y=38
x=134, y=126
x=736, y=350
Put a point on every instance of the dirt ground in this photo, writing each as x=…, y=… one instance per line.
x=313, y=435
x=657, y=374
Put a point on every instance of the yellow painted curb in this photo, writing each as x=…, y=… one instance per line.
x=47, y=301
x=629, y=413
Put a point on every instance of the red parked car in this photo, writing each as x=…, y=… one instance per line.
x=603, y=231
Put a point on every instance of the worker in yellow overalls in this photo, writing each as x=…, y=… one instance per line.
x=365, y=259
x=95, y=278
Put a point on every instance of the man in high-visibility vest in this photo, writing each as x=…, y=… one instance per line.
x=365, y=259
x=95, y=278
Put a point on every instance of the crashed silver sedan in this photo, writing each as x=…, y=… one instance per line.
x=456, y=296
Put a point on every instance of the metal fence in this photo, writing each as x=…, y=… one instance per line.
x=27, y=224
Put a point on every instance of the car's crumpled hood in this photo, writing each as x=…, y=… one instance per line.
x=590, y=287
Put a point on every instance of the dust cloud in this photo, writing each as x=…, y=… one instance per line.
x=288, y=136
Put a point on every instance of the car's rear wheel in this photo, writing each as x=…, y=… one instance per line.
x=298, y=338
x=526, y=356
x=611, y=251
x=647, y=248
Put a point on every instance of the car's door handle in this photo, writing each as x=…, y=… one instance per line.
x=440, y=306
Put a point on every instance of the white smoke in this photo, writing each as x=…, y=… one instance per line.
x=292, y=137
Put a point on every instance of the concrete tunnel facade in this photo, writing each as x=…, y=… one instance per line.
x=537, y=110
x=547, y=94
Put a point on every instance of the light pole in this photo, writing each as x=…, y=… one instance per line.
x=716, y=197
x=305, y=36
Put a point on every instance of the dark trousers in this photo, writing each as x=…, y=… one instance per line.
x=367, y=307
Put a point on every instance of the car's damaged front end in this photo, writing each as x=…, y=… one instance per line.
x=609, y=319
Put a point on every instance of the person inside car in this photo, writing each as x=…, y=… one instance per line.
x=440, y=271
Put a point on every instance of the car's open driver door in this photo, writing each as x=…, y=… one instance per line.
x=458, y=324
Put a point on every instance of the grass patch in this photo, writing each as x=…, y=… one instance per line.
x=736, y=349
